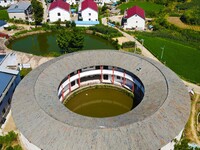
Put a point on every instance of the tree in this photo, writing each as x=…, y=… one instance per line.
x=37, y=11
x=70, y=40
x=73, y=24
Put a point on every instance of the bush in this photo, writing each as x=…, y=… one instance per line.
x=4, y=15
x=129, y=44
x=108, y=31
x=24, y=72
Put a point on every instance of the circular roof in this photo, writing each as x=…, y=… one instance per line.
x=48, y=124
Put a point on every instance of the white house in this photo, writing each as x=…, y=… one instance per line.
x=59, y=10
x=6, y=3
x=21, y=10
x=134, y=18
x=88, y=11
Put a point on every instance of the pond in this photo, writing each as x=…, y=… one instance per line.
x=45, y=44
x=100, y=102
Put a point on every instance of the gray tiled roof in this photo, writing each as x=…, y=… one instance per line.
x=19, y=7
x=48, y=124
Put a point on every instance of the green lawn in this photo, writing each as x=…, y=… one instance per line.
x=4, y=15
x=182, y=59
x=150, y=8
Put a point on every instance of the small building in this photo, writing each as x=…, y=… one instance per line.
x=2, y=24
x=21, y=10
x=9, y=79
x=88, y=11
x=6, y=3
x=134, y=18
x=59, y=10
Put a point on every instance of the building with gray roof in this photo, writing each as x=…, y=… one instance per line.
x=21, y=10
x=9, y=79
x=45, y=123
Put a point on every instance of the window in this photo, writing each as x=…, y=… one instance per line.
x=89, y=14
x=58, y=14
x=96, y=19
x=136, y=21
x=118, y=77
x=4, y=110
x=89, y=19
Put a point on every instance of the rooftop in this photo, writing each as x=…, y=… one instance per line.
x=2, y=23
x=5, y=79
x=19, y=7
x=135, y=10
x=89, y=4
x=60, y=4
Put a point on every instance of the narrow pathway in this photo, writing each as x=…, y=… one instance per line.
x=193, y=123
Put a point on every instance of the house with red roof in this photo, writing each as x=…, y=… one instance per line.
x=134, y=18
x=59, y=10
x=88, y=11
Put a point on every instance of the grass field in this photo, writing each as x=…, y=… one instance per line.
x=147, y=6
x=4, y=15
x=182, y=59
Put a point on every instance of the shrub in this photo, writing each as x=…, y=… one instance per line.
x=129, y=44
x=108, y=31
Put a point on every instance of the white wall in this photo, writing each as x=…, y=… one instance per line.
x=27, y=144
x=71, y=2
x=17, y=16
x=135, y=22
x=64, y=15
x=86, y=16
x=6, y=3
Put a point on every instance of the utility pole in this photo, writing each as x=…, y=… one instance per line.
x=162, y=53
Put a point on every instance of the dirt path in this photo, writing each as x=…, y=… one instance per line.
x=176, y=21
x=193, y=123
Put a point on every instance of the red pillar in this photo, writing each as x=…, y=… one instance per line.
x=133, y=88
x=101, y=73
x=113, y=77
x=124, y=79
x=69, y=83
x=79, y=81
x=63, y=97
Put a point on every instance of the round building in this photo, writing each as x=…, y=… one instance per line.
x=156, y=115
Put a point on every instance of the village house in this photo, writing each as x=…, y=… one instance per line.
x=21, y=10
x=88, y=11
x=6, y=3
x=59, y=10
x=134, y=18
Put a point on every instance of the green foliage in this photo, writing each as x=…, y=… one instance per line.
x=6, y=141
x=108, y=31
x=181, y=56
x=191, y=16
x=24, y=72
x=182, y=145
x=151, y=9
x=70, y=40
x=37, y=11
x=4, y=15
x=129, y=44
x=13, y=27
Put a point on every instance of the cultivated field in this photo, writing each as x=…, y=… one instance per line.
x=176, y=21
x=182, y=59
